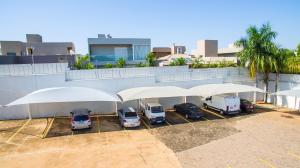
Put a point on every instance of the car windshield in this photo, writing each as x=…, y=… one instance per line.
x=130, y=114
x=157, y=109
x=81, y=118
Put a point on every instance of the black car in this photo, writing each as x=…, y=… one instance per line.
x=246, y=106
x=189, y=110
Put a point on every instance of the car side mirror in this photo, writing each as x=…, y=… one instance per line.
x=89, y=111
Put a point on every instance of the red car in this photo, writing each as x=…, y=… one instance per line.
x=246, y=106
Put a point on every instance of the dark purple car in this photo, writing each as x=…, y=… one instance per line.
x=246, y=106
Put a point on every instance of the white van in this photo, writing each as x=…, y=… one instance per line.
x=154, y=112
x=225, y=104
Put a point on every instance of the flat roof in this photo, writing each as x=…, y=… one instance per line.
x=134, y=41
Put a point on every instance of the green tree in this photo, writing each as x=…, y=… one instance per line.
x=258, y=52
x=298, y=50
x=121, y=62
x=83, y=62
x=150, y=59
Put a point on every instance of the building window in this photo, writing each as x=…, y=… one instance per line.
x=140, y=51
x=70, y=50
x=29, y=51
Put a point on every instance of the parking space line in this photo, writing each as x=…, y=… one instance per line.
x=19, y=130
x=148, y=127
x=98, y=123
x=167, y=122
x=294, y=155
x=182, y=117
x=213, y=113
x=267, y=163
x=205, y=118
x=48, y=128
x=188, y=122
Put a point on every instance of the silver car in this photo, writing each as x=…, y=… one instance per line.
x=129, y=118
x=81, y=119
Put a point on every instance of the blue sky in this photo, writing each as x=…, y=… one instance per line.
x=179, y=21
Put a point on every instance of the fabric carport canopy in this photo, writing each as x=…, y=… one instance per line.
x=293, y=92
x=222, y=88
x=65, y=94
x=152, y=92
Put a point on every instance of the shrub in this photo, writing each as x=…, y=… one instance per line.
x=108, y=65
x=197, y=63
x=83, y=62
x=150, y=59
x=121, y=62
x=140, y=64
x=178, y=62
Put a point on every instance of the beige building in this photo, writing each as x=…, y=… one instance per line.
x=165, y=51
x=230, y=51
x=207, y=48
x=34, y=45
x=209, y=52
x=161, y=51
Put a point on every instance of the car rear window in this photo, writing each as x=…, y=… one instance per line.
x=81, y=118
x=157, y=109
x=130, y=114
x=193, y=107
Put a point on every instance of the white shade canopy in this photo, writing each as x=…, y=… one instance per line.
x=152, y=92
x=293, y=92
x=65, y=94
x=223, y=88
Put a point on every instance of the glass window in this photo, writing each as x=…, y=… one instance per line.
x=140, y=51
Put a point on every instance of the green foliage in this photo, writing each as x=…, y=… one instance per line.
x=298, y=50
x=83, y=62
x=258, y=50
x=199, y=63
x=121, y=63
x=108, y=65
x=178, y=62
x=150, y=59
x=140, y=64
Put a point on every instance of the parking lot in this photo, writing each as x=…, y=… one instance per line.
x=184, y=141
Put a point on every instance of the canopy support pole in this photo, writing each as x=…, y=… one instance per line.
x=29, y=114
x=116, y=108
x=184, y=99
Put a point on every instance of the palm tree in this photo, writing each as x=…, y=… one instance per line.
x=258, y=52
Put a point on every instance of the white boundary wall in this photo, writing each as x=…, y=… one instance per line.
x=115, y=80
x=286, y=82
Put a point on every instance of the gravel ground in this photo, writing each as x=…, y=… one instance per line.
x=185, y=136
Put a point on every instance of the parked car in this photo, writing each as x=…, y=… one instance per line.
x=189, y=110
x=154, y=112
x=225, y=104
x=128, y=117
x=246, y=106
x=80, y=119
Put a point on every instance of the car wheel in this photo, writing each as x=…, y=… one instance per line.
x=187, y=116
